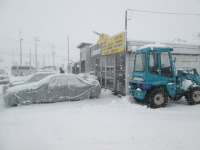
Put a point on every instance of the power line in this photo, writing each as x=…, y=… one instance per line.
x=50, y=42
x=166, y=13
x=8, y=39
x=41, y=44
x=8, y=49
x=28, y=42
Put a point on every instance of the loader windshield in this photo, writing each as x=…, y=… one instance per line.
x=166, y=67
x=140, y=62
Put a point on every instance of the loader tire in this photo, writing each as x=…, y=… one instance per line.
x=193, y=96
x=157, y=98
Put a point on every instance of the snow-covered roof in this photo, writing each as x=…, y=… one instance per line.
x=83, y=44
x=178, y=48
x=153, y=45
x=184, y=48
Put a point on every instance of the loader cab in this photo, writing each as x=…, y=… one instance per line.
x=154, y=64
x=153, y=76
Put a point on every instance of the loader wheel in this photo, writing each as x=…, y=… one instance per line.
x=176, y=97
x=193, y=96
x=158, y=98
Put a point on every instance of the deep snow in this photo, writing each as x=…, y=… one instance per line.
x=106, y=123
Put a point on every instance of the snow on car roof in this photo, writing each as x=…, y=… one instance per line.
x=44, y=72
x=28, y=85
x=26, y=78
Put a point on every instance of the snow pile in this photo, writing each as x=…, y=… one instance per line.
x=88, y=76
x=105, y=123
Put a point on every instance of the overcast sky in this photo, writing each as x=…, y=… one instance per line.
x=52, y=21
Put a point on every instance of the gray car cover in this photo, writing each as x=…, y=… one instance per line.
x=54, y=88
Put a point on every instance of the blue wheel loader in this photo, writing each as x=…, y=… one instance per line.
x=155, y=79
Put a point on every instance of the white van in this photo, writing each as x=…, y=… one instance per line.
x=22, y=70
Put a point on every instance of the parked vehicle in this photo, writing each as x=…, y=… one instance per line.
x=4, y=78
x=154, y=78
x=22, y=70
x=50, y=68
x=53, y=88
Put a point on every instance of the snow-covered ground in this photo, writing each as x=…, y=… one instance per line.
x=106, y=123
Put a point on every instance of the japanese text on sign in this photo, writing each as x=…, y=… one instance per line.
x=115, y=44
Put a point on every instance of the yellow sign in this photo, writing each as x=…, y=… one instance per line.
x=115, y=44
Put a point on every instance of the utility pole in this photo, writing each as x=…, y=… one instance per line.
x=48, y=57
x=43, y=60
x=30, y=58
x=20, y=39
x=126, y=20
x=36, y=40
x=12, y=52
x=68, y=54
x=53, y=53
x=127, y=66
x=68, y=50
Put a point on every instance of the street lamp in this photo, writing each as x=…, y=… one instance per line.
x=126, y=20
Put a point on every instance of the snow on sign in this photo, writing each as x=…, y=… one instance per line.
x=115, y=44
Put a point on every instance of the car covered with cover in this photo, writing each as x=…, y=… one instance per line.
x=53, y=88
